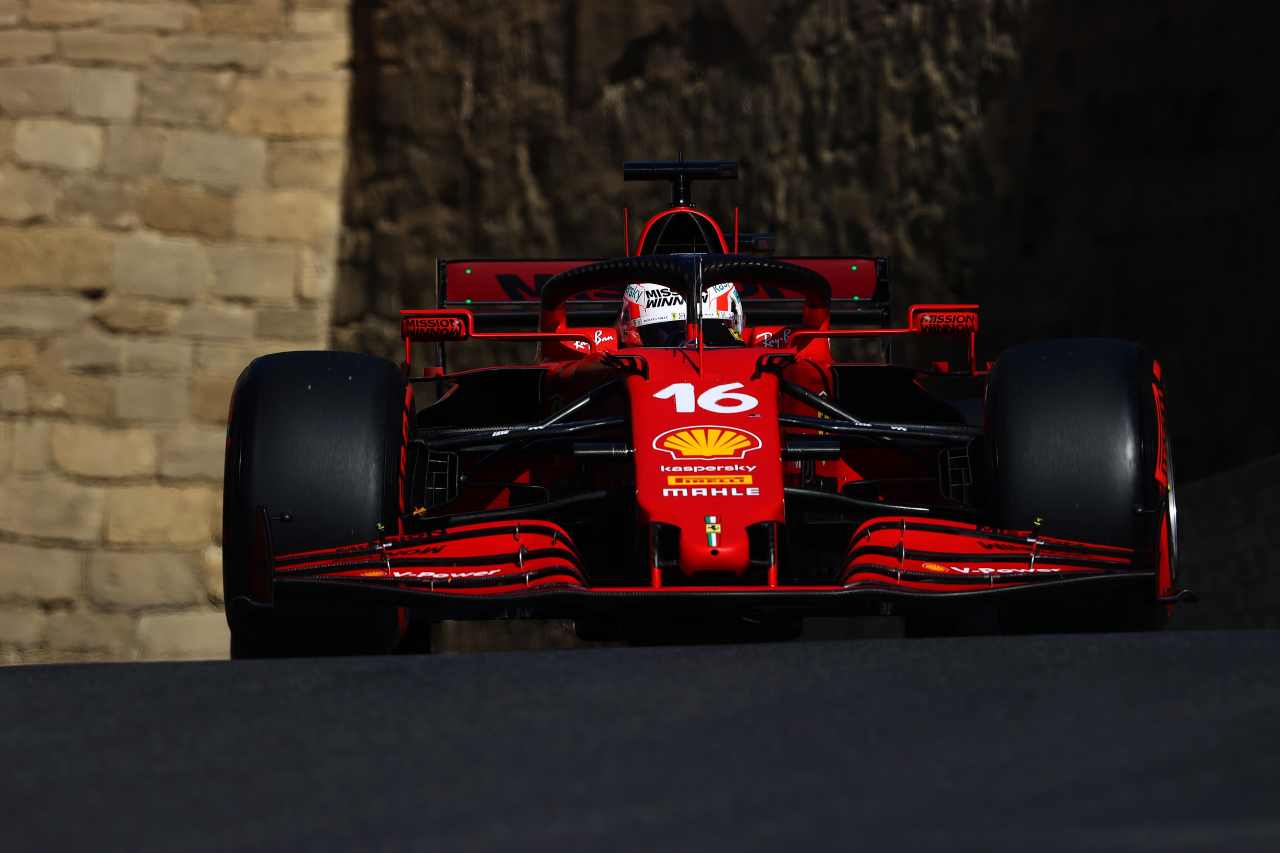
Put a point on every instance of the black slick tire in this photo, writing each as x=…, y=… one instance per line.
x=316, y=438
x=1072, y=446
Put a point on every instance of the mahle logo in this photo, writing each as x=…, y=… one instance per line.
x=707, y=442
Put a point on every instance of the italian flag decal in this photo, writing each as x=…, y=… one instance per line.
x=713, y=530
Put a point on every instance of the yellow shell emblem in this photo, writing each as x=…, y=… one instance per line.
x=707, y=442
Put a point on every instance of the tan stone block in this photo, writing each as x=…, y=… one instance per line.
x=254, y=17
x=216, y=320
x=164, y=267
x=26, y=45
x=163, y=357
x=215, y=516
x=64, y=393
x=215, y=358
x=10, y=12
x=262, y=273
x=52, y=509
x=105, y=94
x=318, y=277
x=160, y=17
x=134, y=151
x=137, y=316
x=88, y=631
x=215, y=52
x=90, y=352
x=109, y=202
x=6, y=447
x=62, y=13
x=186, y=97
x=40, y=313
x=91, y=451
x=159, y=515
x=59, y=144
x=292, y=324
x=211, y=397
x=134, y=580
x=303, y=216
x=319, y=22
x=312, y=57
x=115, y=48
x=17, y=354
x=31, y=446
x=30, y=573
x=306, y=165
x=290, y=108
x=72, y=258
x=211, y=572
x=197, y=635
x=193, y=452
x=26, y=195
x=55, y=391
x=144, y=398
x=14, y=399
x=6, y=139
x=54, y=257
x=215, y=159
x=187, y=209
x=35, y=89
x=21, y=626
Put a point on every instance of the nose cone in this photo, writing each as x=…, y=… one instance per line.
x=713, y=547
x=707, y=454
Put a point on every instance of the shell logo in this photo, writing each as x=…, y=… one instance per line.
x=934, y=567
x=707, y=442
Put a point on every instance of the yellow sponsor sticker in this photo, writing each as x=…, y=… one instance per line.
x=707, y=442
x=709, y=480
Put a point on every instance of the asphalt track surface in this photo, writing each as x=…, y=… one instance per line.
x=1163, y=742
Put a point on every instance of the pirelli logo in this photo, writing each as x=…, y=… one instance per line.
x=709, y=480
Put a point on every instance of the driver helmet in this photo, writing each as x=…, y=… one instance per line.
x=654, y=315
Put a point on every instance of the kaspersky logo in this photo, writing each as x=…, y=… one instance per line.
x=707, y=442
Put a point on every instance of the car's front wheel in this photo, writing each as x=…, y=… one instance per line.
x=317, y=438
x=1078, y=449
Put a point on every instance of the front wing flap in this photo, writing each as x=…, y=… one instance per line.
x=532, y=564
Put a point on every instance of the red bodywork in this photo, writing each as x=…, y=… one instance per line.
x=708, y=474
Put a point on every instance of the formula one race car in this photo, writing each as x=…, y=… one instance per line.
x=686, y=450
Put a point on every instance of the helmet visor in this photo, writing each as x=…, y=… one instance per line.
x=672, y=334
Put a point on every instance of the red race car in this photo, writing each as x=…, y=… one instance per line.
x=687, y=451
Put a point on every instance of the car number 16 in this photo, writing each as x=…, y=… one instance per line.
x=722, y=399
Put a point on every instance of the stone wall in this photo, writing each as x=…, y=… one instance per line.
x=168, y=211
x=1078, y=168
x=486, y=131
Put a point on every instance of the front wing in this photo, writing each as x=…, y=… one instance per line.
x=531, y=567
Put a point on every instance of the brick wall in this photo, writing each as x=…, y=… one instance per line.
x=169, y=209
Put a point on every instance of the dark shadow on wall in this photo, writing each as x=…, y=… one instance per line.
x=499, y=130
x=1080, y=168
x=1141, y=201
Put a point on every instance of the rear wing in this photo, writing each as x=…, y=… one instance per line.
x=505, y=294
